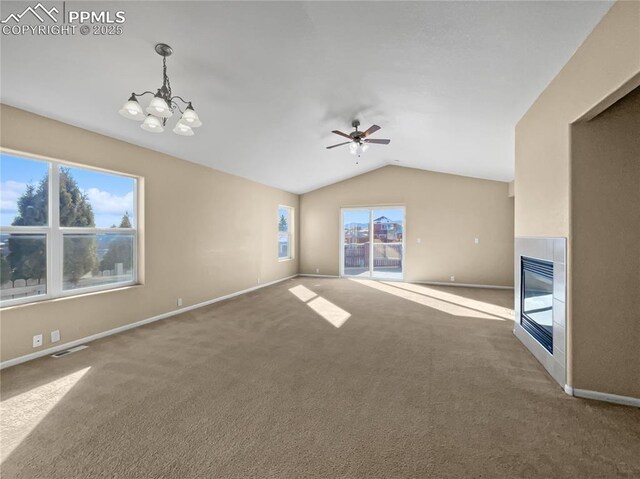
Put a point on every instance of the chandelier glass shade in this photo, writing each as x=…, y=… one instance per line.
x=183, y=129
x=190, y=117
x=163, y=105
x=132, y=110
x=158, y=107
x=152, y=124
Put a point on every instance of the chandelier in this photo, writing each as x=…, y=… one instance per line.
x=162, y=106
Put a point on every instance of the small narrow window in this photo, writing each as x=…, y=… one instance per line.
x=285, y=233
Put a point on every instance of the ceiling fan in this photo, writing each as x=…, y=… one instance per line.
x=359, y=140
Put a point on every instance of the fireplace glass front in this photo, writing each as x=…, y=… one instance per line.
x=537, y=300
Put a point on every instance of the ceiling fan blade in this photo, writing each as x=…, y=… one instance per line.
x=341, y=134
x=372, y=129
x=339, y=144
x=378, y=141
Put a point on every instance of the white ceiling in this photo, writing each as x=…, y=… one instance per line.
x=447, y=81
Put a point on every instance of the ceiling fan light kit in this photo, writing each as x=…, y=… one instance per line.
x=358, y=140
x=162, y=105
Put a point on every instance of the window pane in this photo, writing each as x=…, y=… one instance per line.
x=284, y=232
x=95, y=199
x=93, y=260
x=23, y=266
x=283, y=245
x=23, y=191
x=284, y=219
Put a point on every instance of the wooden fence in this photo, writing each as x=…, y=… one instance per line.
x=384, y=255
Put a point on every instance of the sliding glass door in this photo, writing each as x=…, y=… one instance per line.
x=372, y=242
x=356, y=242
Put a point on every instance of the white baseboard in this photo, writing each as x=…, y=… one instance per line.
x=598, y=396
x=464, y=285
x=119, y=329
x=435, y=283
x=568, y=389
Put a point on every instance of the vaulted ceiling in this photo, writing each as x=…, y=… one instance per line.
x=447, y=81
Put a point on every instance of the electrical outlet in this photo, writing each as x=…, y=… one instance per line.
x=317, y=270
x=258, y=279
x=453, y=278
x=477, y=240
x=37, y=340
x=179, y=302
x=55, y=336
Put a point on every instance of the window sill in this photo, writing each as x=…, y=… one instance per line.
x=46, y=300
x=282, y=260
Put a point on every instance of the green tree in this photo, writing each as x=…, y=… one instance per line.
x=75, y=210
x=33, y=205
x=80, y=257
x=282, y=225
x=125, y=222
x=27, y=258
x=80, y=252
x=27, y=255
x=120, y=249
x=5, y=270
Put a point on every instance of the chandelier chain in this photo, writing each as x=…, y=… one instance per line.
x=166, y=82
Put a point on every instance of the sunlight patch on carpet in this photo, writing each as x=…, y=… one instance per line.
x=303, y=293
x=482, y=306
x=21, y=414
x=446, y=306
x=332, y=313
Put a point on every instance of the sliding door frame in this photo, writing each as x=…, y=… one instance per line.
x=371, y=208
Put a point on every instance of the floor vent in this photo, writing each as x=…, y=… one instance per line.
x=68, y=351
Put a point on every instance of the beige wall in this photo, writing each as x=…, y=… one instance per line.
x=605, y=221
x=608, y=59
x=186, y=207
x=603, y=69
x=447, y=212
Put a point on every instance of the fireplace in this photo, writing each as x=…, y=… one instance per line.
x=536, y=296
x=540, y=296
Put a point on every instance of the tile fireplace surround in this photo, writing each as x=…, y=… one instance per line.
x=552, y=250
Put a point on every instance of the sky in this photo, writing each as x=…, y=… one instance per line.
x=362, y=216
x=110, y=196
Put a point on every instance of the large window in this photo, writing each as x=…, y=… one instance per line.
x=83, y=238
x=285, y=233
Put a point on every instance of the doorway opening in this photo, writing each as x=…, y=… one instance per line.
x=372, y=242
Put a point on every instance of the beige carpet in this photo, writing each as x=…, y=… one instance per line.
x=415, y=382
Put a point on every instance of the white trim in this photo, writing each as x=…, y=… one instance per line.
x=126, y=327
x=90, y=230
x=386, y=280
x=464, y=285
x=568, y=389
x=612, y=398
x=55, y=251
x=94, y=289
x=290, y=234
x=25, y=230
